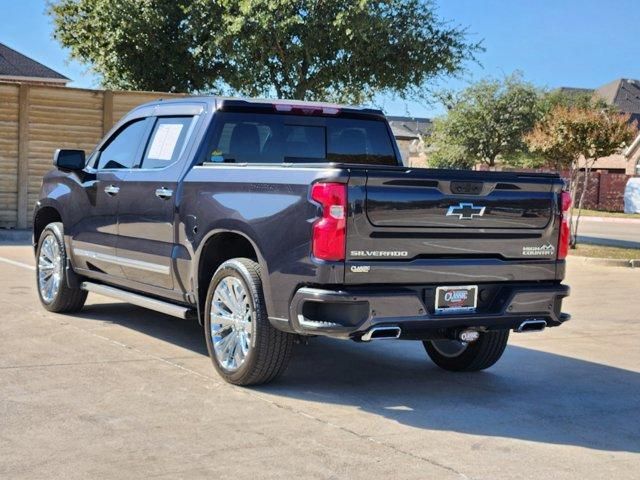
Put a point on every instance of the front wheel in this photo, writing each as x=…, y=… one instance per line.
x=460, y=356
x=244, y=347
x=51, y=257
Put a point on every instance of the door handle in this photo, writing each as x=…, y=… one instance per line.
x=111, y=190
x=164, y=193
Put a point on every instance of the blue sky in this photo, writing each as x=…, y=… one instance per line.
x=581, y=43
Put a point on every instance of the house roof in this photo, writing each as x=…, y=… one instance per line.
x=624, y=93
x=409, y=127
x=14, y=65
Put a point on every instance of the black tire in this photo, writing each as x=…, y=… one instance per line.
x=270, y=349
x=478, y=355
x=66, y=299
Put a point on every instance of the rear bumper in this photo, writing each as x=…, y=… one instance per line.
x=349, y=313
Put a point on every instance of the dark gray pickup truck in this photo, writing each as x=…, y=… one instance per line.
x=271, y=221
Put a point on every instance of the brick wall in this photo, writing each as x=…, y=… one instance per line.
x=605, y=191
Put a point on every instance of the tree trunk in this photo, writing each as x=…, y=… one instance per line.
x=573, y=188
x=585, y=185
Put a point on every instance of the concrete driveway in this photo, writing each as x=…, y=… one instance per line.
x=120, y=392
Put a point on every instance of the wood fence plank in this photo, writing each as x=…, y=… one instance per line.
x=23, y=155
x=107, y=111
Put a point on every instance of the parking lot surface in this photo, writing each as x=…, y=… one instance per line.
x=121, y=392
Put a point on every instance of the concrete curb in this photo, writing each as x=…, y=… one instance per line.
x=607, y=242
x=607, y=262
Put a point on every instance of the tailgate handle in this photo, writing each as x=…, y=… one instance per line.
x=466, y=188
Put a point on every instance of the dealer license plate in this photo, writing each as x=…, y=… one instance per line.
x=456, y=299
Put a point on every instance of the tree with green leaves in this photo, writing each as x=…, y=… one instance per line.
x=302, y=49
x=573, y=138
x=582, y=99
x=484, y=123
x=443, y=154
x=134, y=44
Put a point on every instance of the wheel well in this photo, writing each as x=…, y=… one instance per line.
x=217, y=250
x=44, y=217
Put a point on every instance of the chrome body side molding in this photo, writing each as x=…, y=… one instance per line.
x=123, y=261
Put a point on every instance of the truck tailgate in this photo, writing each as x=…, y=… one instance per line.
x=423, y=226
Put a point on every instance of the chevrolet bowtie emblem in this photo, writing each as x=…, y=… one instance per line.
x=465, y=211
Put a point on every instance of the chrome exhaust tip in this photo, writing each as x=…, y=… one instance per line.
x=381, y=333
x=531, y=326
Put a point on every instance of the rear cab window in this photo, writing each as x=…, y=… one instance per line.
x=247, y=137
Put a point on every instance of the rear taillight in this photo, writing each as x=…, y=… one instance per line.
x=565, y=231
x=329, y=232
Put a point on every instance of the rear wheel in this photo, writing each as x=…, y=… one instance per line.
x=51, y=257
x=458, y=356
x=244, y=348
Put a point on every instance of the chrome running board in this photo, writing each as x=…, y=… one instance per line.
x=139, y=300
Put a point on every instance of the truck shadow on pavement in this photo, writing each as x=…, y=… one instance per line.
x=528, y=395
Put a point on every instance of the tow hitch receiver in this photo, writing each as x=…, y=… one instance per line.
x=468, y=336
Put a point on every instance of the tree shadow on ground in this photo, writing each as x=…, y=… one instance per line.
x=529, y=395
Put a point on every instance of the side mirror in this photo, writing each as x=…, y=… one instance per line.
x=69, y=159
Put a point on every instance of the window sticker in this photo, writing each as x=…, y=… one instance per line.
x=165, y=141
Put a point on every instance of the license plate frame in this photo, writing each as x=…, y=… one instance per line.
x=457, y=304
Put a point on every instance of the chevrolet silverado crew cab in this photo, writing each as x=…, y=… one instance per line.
x=270, y=221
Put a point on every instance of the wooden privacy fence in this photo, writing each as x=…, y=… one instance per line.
x=34, y=121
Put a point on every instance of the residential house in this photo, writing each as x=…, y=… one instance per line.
x=409, y=133
x=624, y=93
x=16, y=67
x=632, y=154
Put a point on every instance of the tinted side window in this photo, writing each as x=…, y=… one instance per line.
x=121, y=150
x=167, y=142
x=275, y=138
x=248, y=139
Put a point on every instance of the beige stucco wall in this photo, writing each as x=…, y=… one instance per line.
x=617, y=161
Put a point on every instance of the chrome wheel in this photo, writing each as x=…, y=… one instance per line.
x=49, y=268
x=232, y=323
x=449, y=348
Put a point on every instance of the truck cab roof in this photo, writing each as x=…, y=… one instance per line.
x=222, y=103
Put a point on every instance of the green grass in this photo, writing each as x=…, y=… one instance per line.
x=598, y=213
x=599, y=251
